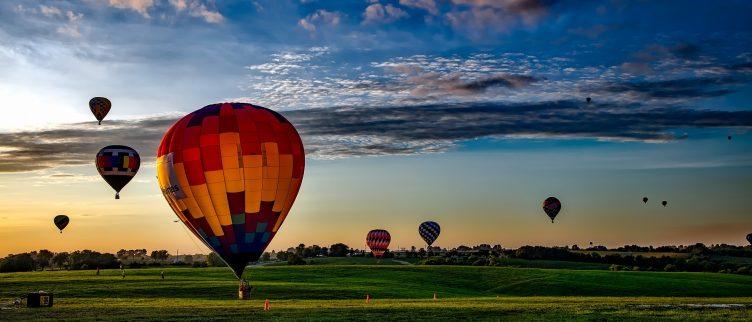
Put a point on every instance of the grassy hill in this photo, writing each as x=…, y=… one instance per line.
x=404, y=291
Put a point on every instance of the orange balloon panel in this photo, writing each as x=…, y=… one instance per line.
x=231, y=173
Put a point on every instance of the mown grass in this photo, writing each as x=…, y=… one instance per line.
x=400, y=292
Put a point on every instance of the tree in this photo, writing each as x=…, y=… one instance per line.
x=338, y=250
x=122, y=255
x=60, y=260
x=266, y=257
x=159, y=255
x=17, y=263
x=43, y=258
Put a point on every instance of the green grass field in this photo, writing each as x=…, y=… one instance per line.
x=400, y=292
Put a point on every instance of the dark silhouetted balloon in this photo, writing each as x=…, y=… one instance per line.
x=378, y=241
x=429, y=231
x=61, y=221
x=588, y=100
x=100, y=106
x=117, y=164
x=645, y=199
x=749, y=238
x=551, y=206
x=231, y=173
x=664, y=203
x=729, y=137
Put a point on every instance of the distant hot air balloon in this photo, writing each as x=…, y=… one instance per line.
x=378, y=241
x=61, y=221
x=231, y=173
x=729, y=137
x=749, y=238
x=588, y=99
x=645, y=199
x=117, y=164
x=429, y=231
x=664, y=203
x=100, y=106
x=551, y=206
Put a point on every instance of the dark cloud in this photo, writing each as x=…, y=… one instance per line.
x=677, y=88
x=509, y=81
x=345, y=131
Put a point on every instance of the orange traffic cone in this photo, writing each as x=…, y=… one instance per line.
x=267, y=306
x=368, y=298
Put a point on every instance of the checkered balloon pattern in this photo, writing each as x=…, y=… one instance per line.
x=378, y=241
x=429, y=231
x=231, y=173
x=100, y=106
x=118, y=164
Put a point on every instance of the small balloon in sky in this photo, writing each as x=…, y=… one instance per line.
x=645, y=199
x=664, y=203
x=61, y=221
x=429, y=231
x=100, y=106
x=551, y=206
x=117, y=164
x=588, y=100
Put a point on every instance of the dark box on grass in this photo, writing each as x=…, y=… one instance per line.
x=39, y=299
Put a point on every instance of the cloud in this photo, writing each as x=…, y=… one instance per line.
x=320, y=18
x=197, y=9
x=378, y=13
x=140, y=6
x=72, y=27
x=337, y=132
x=481, y=18
x=676, y=88
x=427, y=5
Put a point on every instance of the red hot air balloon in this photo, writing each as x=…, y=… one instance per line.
x=231, y=173
x=551, y=206
x=117, y=164
x=378, y=241
x=100, y=106
x=61, y=221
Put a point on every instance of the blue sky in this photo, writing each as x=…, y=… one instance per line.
x=499, y=86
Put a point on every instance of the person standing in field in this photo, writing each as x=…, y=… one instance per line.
x=97, y=270
x=162, y=273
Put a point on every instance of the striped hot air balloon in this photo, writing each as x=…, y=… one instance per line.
x=231, y=173
x=429, y=231
x=117, y=164
x=378, y=241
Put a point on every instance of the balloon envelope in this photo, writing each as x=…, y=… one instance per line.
x=231, y=173
x=378, y=241
x=749, y=238
x=61, y=221
x=645, y=199
x=664, y=203
x=429, y=231
x=551, y=206
x=117, y=164
x=100, y=106
x=588, y=99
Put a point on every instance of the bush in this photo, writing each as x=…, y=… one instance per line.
x=199, y=264
x=670, y=268
x=615, y=267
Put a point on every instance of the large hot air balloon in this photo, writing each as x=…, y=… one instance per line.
x=645, y=199
x=429, y=230
x=664, y=203
x=61, y=221
x=378, y=241
x=117, y=164
x=231, y=173
x=749, y=238
x=100, y=106
x=551, y=206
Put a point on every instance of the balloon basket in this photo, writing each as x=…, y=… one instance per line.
x=244, y=291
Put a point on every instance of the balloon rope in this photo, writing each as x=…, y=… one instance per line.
x=195, y=245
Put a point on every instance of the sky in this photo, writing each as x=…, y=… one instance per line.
x=465, y=112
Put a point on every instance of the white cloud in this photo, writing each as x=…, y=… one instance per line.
x=427, y=5
x=320, y=18
x=198, y=10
